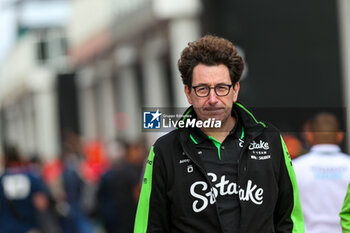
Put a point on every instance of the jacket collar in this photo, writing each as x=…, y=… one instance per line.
x=251, y=127
x=198, y=136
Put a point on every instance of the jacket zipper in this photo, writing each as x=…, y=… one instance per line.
x=246, y=144
x=239, y=178
x=210, y=185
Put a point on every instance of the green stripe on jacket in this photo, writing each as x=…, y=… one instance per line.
x=345, y=213
x=141, y=221
x=297, y=214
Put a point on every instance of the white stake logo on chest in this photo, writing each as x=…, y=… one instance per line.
x=223, y=187
x=261, y=145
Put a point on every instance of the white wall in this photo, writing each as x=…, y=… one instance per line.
x=344, y=28
x=88, y=18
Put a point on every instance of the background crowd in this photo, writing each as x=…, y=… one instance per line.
x=84, y=190
x=92, y=188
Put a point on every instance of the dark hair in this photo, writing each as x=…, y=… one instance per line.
x=210, y=50
x=11, y=155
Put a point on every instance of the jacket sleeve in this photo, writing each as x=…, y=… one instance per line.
x=288, y=216
x=345, y=213
x=152, y=214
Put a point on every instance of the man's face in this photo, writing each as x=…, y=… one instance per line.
x=212, y=106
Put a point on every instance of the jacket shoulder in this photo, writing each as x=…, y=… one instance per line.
x=272, y=131
x=166, y=140
x=273, y=136
x=271, y=128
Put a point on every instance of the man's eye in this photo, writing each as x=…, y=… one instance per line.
x=202, y=89
x=221, y=88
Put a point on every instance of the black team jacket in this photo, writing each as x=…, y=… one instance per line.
x=267, y=188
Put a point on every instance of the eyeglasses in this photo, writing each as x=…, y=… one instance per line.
x=204, y=90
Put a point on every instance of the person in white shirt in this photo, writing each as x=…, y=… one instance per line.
x=323, y=176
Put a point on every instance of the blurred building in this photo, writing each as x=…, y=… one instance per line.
x=28, y=76
x=122, y=56
x=125, y=57
x=92, y=67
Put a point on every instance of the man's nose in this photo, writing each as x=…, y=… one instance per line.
x=213, y=98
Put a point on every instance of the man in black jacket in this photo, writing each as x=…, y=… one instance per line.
x=234, y=176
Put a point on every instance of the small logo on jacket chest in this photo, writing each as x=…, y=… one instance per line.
x=259, y=150
x=260, y=145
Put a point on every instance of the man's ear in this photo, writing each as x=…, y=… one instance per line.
x=340, y=137
x=309, y=136
x=187, y=90
x=235, y=91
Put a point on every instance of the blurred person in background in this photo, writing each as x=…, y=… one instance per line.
x=35, y=164
x=107, y=209
x=305, y=129
x=323, y=175
x=234, y=177
x=47, y=219
x=22, y=195
x=66, y=184
x=119, y=188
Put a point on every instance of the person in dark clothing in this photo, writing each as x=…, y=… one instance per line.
x=22, y=195
x=221, y=170
x=119, y=190
x=67, y=186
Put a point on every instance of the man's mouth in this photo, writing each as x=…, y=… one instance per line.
x=213, y=110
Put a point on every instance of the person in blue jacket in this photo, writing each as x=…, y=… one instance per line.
x=22, y=195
